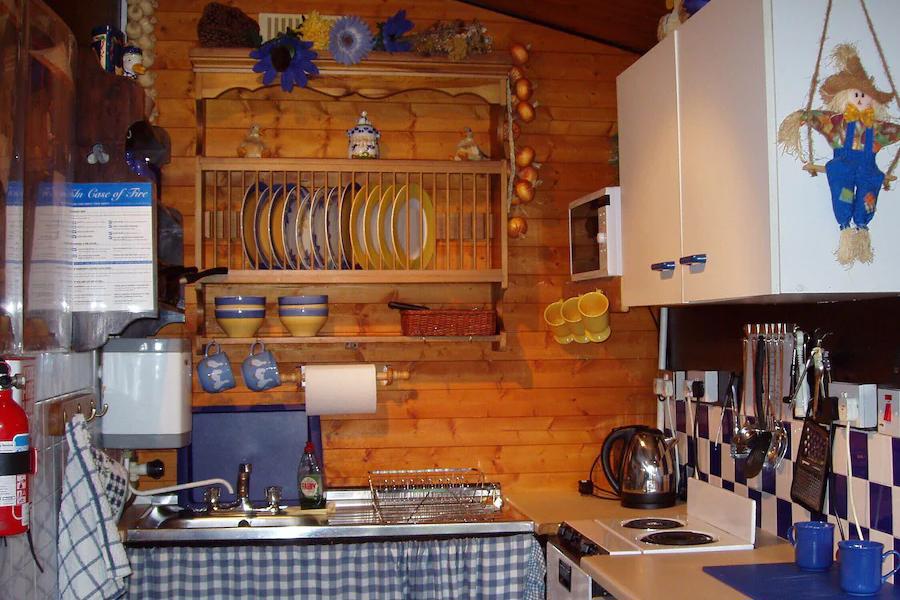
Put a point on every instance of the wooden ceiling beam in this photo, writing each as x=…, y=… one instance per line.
x=629, y=25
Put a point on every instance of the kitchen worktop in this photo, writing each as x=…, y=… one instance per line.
x=550, y=507
x=680, y=576
x=642, y=577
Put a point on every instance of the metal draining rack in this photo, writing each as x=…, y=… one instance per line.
x=434, y=496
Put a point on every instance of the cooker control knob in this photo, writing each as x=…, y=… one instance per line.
x=587, y=548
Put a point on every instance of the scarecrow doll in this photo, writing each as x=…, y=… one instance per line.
x=856, y=124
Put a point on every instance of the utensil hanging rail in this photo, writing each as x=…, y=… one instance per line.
x=338, y=215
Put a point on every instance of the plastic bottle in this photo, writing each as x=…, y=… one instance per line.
x=309, y=479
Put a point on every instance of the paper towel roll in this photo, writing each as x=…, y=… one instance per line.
x=339, y=389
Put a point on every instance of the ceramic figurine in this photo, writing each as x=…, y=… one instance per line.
x=363, y=139
x=132, y=62
x=467, y=148
x=252, y=146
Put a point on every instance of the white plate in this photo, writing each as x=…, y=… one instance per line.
x=288, y=220
x=317, y=227
x=301, y=230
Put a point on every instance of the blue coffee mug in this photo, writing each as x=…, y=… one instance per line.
x=861, y=564
x=260, y=369
x=214, y=370
x=813, y=543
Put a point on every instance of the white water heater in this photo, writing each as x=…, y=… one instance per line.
x=146, y=383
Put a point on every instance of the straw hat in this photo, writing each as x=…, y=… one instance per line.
x=851, y=75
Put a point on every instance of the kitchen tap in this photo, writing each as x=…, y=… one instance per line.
x=242, y=501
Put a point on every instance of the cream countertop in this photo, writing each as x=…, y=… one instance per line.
x=674, y=576
x=680, y=576
x=550, y=507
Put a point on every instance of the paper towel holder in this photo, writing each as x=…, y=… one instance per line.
x=385, y=377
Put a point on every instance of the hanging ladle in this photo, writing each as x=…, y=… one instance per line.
x=759, y=444
x=741, y=431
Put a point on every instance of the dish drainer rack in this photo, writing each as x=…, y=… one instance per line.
x=434, y=496
x=459, y=228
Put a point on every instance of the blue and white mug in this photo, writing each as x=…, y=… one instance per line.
x=260, y=369
x=214, y=370
x=861, y=566
x=813, y=543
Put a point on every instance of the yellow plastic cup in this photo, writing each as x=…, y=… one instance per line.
x=574, y=321
x=553, y=317
x=594, y=310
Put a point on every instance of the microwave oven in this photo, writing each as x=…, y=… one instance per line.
x=595, y=235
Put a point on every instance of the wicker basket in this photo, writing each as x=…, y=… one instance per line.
x=448, y=322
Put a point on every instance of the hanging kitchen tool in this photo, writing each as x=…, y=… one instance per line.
x=759, y=445
x=814, y=454
x=742, y=432
x=778, y=446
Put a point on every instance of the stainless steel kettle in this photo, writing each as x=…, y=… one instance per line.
x=642, y=471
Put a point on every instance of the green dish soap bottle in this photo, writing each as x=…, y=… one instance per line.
x=309, y=480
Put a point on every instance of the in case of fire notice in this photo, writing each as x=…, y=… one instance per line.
x=112, y=247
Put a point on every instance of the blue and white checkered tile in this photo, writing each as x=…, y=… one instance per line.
x=873, y=475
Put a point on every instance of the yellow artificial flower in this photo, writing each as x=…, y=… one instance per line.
x=316, y=29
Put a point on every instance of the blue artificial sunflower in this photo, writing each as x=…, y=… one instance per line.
x=288, y=55
x=350, y=40
x=392, y=33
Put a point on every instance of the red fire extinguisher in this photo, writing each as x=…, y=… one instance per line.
x=16, y=460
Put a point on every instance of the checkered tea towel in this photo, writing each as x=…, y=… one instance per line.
x=92, y=560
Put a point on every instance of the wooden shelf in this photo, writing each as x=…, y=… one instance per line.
x=322, y=277
x=383, y=166
x=499, y=339
x=380, y=75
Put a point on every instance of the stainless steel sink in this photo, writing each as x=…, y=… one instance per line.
x=181, y=519
x=352, y=517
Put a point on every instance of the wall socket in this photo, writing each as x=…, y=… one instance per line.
x=889, y=411
x=702, y=386
x=857, y=404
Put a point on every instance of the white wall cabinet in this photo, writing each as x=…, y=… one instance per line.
x=703, y=179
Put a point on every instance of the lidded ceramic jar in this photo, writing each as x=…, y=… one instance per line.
x=363, y=139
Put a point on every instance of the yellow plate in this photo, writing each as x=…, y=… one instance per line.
x=263, y=239
x=378, y=252
x=357, y=233
x=276, y=229
x=345, y=205
x=413, y=204
x=370, y=228
x=248, y=222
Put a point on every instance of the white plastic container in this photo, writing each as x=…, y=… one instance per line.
x=147, y=385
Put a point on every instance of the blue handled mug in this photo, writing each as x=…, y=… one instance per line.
x=214, y=370
x=260, y=369
x=861, y=565
x=813, y=543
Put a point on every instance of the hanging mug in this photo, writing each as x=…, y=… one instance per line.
x=214, y=370
x=574, y=321
x=553, y=317
x=260, y=369
x=594, y=310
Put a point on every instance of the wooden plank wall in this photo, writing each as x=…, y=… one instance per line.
x=534, y=414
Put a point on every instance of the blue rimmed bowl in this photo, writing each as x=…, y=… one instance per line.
x=302, y=300
x=303, y=321
x=241, y=322
x=240, y=302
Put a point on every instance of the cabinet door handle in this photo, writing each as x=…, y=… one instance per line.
x=668, y=265
x=693, y=259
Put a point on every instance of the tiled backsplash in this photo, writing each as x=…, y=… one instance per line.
x=875, y=462
x=49, y=376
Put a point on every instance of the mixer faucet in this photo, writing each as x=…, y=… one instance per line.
x=242, y=489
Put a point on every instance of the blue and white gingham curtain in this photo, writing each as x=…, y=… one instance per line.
x=499, y=568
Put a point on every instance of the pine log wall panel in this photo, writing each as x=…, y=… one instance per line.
x=534, y=414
